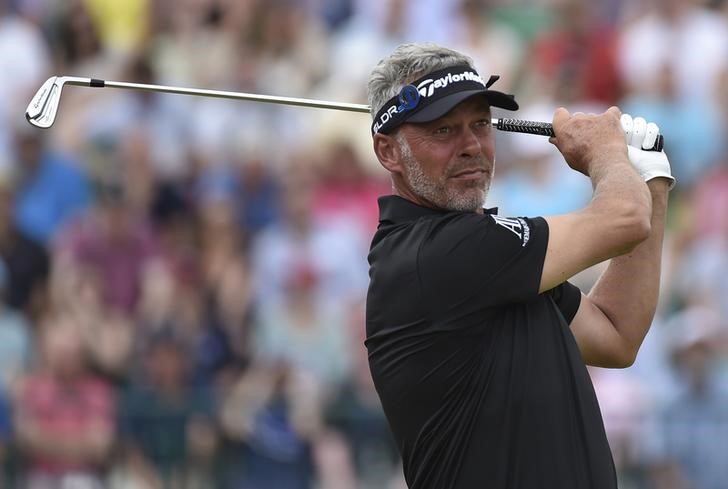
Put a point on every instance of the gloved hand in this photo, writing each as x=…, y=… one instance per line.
x=641, y=136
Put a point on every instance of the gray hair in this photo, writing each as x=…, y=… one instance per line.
x=406, y=64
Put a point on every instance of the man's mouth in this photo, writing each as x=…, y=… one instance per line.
x=468, y=174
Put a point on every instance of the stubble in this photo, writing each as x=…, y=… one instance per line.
x=437, y=191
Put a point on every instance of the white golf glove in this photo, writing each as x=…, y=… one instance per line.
x=641, y=136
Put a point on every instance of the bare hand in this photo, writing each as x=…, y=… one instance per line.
x=587, y=139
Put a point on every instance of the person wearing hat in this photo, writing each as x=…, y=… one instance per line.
x=477, y=342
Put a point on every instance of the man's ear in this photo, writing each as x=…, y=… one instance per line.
x=387, y=150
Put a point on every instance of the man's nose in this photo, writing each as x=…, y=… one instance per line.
x=471, y=143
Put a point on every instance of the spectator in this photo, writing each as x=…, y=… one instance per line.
x=495, y=46
x=332, y=251
x=579, y=51
x=305, y=333
x=626, y=401
x=51, y=188
x=356, y=413
x=347, y=191
x=168, y=435
x=690, y=441
x=221, y=238
x=225, y=347
x=26, y=260
x=701, y=274
x=24, y=53
x=106, y=332
x=683, y=34
x=113, y=242
x=693, y=127
x=194, y=44
x=64, y=414
x=710, y=203
x=257, y=193
x=367, y=36
x=122, y=26
x=76, y=43
x=16, y=337
x=273, y=413
x=292, y=44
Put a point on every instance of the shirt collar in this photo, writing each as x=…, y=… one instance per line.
x=396, y=209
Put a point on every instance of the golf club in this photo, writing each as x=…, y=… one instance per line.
x=43, y=107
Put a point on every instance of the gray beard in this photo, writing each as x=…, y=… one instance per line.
x=435, y=191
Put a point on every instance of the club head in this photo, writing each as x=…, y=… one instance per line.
x=42, y=109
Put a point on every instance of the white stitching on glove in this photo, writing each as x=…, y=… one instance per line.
x=641, y=136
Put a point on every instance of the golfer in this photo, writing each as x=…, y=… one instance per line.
x=477, y=342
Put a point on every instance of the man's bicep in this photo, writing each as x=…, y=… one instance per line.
x=599, y=341
x=576, y=242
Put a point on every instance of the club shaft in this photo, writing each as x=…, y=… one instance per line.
x=36, y=117
x=301, y=102
x=512, y=125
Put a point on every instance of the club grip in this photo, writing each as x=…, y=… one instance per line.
x=547, y=129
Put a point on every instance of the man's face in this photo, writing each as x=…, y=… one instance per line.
x=448, y=163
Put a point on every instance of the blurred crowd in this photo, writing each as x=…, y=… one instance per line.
x=183, y=278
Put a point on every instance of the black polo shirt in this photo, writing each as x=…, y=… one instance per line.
x=479, y=375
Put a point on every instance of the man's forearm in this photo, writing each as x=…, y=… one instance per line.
x=615, y=221
x=628, y=290
x=621, y=203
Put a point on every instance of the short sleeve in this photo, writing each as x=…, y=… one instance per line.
x=482, y=261
x=567, y=297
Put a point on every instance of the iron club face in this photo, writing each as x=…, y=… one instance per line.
x=42, y=109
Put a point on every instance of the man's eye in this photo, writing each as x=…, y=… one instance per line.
x=442, y=130
x=483, y=123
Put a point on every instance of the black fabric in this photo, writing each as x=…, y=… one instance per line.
x=479, y=375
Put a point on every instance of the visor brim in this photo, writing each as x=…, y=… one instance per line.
x=445, y=104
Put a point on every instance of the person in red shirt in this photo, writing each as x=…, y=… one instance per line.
x=579, y=53
x=65, y=415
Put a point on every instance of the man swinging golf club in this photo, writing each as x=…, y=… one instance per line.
x=477, y=342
